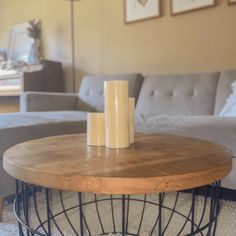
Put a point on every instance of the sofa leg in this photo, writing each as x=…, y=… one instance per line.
x=1, y=208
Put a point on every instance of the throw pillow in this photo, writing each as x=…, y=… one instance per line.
x=229, y=108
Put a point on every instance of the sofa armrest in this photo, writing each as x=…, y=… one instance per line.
x=42, y=101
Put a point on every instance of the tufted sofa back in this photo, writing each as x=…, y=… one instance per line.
x=187, y=94
x=91, y=95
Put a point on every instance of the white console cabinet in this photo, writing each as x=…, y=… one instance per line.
x=12, y=84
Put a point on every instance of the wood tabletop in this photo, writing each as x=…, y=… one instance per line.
x=154, y=163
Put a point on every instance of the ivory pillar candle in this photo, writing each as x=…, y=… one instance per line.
x=116, y=114
x=131, y=119
x=96, y=129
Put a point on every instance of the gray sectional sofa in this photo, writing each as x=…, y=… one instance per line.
x=186, y=104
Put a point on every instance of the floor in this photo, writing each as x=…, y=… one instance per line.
x=9, y=104
x=226, y=219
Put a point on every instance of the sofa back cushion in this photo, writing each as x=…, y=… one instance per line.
x=91, y=91
x=224, y=89
x=188, y=94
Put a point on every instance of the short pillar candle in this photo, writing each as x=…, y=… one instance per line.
x=116, y=114
x=96, y=129
x=131, y=119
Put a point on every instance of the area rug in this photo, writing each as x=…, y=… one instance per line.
x=226, y=225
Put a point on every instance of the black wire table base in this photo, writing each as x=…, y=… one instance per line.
x=51, y=212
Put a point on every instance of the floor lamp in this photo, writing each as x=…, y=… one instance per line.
x=72, y=29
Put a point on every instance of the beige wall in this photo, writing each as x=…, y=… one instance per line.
x=198, y=41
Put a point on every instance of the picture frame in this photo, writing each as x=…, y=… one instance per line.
x=184, y=6
x=139, y=10
x=231, y=2
x=20, y=44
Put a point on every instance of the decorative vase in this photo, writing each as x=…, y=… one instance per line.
x=34, y=57
x=116, y=114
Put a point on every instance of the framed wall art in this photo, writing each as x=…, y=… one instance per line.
x=20, y=43
x=138, y=10
x=231, y=2
x=183, y=6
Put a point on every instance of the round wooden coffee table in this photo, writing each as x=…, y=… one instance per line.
x=157, y=163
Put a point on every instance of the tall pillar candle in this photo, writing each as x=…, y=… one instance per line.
x=116, y=114
x=96, y=129
x=131, y=119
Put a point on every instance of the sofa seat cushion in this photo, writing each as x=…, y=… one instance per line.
x=10, y=120
x=60, y=116
x=217, y=129
x=20, y=127
x=220, y=130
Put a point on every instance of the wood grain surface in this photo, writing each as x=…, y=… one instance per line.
x=154, y=163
